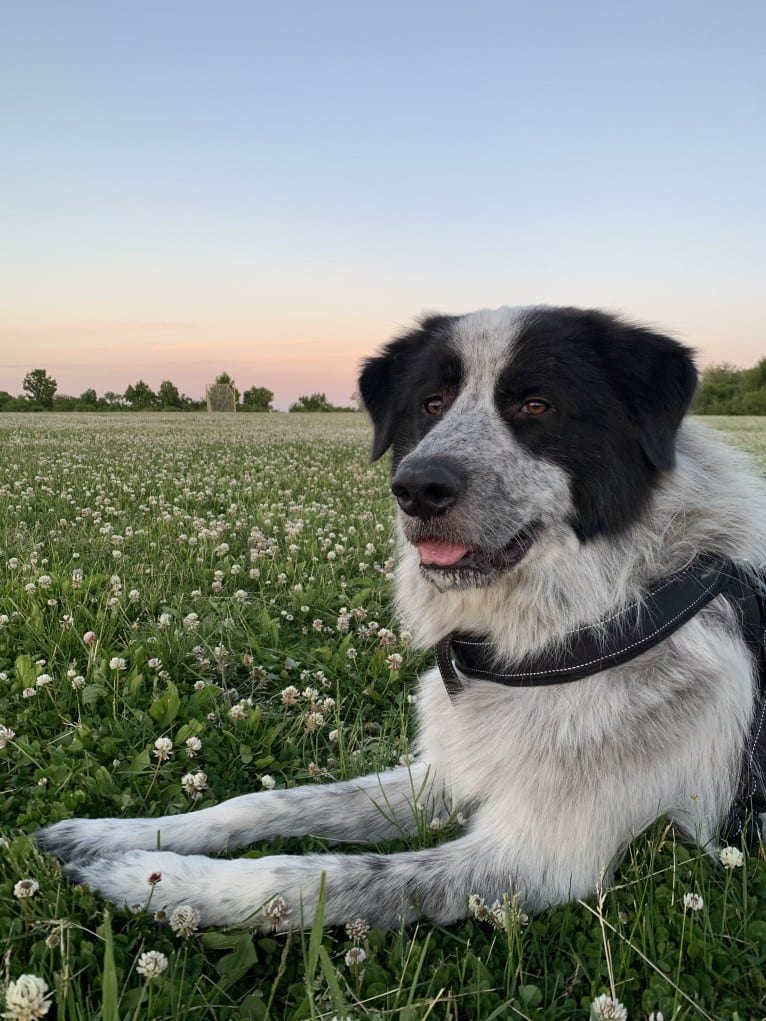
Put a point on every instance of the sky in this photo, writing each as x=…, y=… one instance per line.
x=275, y=189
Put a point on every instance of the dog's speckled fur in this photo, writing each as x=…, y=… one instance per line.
x=555, y=781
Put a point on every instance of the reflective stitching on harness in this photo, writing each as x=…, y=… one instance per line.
x=592, y=662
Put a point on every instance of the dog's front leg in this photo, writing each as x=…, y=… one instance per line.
x=384, y=890
x=368, y=809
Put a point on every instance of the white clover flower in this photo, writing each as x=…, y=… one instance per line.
x=117, y=663
x=194, y=784
x=200, y=685
x=29, y=692
x=6, y=735
x=13, y=563
x=89, y=637
x=45, y=581
x=394, y=661
x=239, y=711
x=26, y=998
x=313, y=722
x=164, y=620
x=385, y=635
x=357, y=930
x=606, y=1008
x=78, y=682
x=277, y=911
x=731, y=858
x=151, y=964
x=193, y=746
x=268, y=782
x=355, y=956
x=26, y=888
x=163, y=749
x=185, y=921
x=693, y=902
x=43, y=680
x=289, y=695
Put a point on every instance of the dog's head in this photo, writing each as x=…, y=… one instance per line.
x=506, y=424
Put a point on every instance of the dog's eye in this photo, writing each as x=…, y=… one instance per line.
x=535, y=406
x=434, y=404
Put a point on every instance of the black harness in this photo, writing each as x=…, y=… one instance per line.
x=664, y=607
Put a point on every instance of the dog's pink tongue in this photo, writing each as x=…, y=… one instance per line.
x=440, y=554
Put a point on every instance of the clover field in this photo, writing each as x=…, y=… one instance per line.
x=194, y=607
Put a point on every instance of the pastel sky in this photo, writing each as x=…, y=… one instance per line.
x=274, y=189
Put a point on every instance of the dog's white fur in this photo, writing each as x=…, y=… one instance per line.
x=555, y=780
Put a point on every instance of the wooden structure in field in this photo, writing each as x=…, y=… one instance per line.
x=220, y=397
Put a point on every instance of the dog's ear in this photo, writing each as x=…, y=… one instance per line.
x=383, y=379
x=376, y=388
x=656, y=378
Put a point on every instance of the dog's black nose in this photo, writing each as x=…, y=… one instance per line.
x=425, y=489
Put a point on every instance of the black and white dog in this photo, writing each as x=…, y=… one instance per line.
x=549, y=492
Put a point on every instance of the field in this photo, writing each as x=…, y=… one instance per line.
x=169, y=577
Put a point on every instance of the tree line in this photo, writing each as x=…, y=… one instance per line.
x=726, y=390
x=41, y=394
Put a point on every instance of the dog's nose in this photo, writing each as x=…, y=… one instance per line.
x=425, y=489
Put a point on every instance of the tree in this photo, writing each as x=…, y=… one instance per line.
x=316, y=402
x=258, y=398
x=726, y=390
x=168, y=395
x=140, y=395
x=41, y=387
x=89, y=398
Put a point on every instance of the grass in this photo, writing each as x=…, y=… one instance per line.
x=214, y=556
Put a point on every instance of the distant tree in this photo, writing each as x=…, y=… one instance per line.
x=726, y=390
x=168, y=395
x=89, y=398
x=316, y=402
x=41, y=387
x=258, y=398
x=226, y=378
x=113, y=400
x=140, y=395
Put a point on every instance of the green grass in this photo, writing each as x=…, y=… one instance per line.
x=265, y=527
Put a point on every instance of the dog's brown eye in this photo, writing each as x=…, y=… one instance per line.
x=434, y=404
x=535, y=406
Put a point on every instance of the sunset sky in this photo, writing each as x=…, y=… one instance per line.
x=274, y=189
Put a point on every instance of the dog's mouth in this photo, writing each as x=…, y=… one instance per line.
x=449, y=563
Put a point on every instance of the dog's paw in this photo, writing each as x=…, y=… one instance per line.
x=236, y=893
x=85, y=839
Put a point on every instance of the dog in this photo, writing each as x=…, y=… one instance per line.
x=547, y=482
